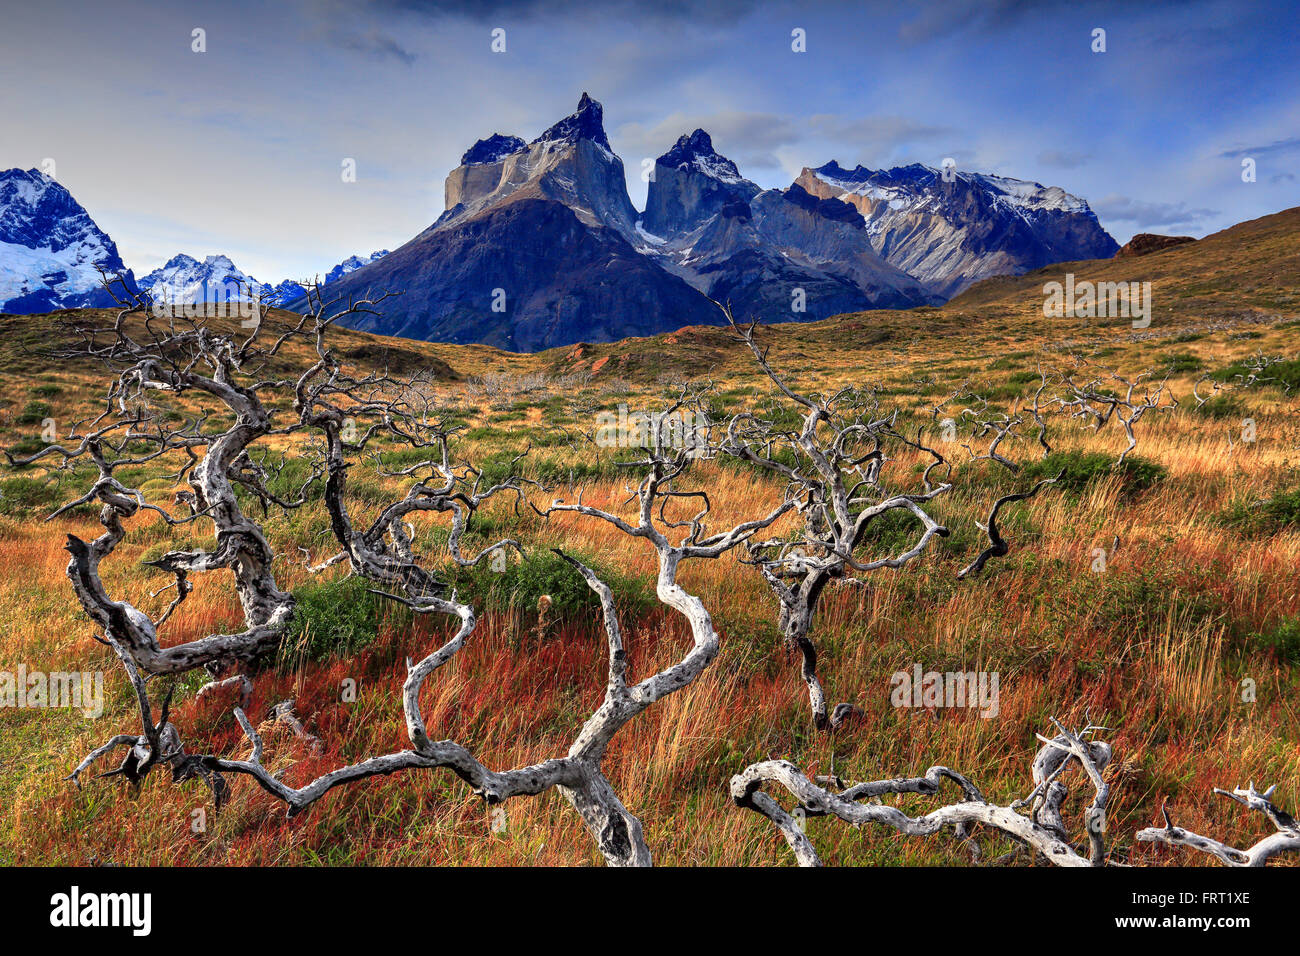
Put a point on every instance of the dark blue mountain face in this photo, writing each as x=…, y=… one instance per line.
x=587, y=122
x=35, y=211
x=560, y=282
x=697, y=146
x=493, y=149
x=914, y=174
x=832, y=209
x=51, y=251
x=692, y=183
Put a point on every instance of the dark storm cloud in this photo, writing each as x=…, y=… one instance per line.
x=1272, y=149
x=403, y=87
x=1063, y=159
x=372, y=43
x=1151, y=215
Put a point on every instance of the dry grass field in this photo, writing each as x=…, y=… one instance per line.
x=1199, y=596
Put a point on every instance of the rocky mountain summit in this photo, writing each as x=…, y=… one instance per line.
x=951, y=228
x=51, y=251
x=539, y=244
x=184, y=279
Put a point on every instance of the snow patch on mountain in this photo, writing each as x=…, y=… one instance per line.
x=216, y=279
x=352, y=264
x=184, y=279
x=649, y=237
x=913, y=186
x=51, y=251
x=696, y=152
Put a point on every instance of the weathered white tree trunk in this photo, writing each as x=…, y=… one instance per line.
x=1285, y=840
x=1047, y=839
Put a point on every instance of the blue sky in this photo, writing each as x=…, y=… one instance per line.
x=239, y=149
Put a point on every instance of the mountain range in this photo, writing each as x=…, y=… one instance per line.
x=540, y=245
x=950, y=229
x=185, y=279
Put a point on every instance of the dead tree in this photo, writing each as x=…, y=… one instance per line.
x=997, y=428
x=1046, y=380
x=674, y=542
x=833, y=482
x=344, y=414
x=175, y=356
x=152, y=351
x=998, y=546
x=1216, y=387
x=1255, y=372
x=1285, y=840
x=1001, y=426
x=1041, y=832
x=1093, y=401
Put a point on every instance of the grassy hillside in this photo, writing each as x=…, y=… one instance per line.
x=1200, y=594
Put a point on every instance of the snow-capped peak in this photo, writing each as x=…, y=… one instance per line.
x=51, y=251
x=185, y=279
x=352, y=264
x=696, y=152
x=903, y=184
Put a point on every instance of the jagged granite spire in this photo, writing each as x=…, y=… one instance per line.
x=697, y=149
x=586, y=122
x=692, y=182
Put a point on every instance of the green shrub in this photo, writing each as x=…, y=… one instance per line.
x=1221, y=406
x=523, y=582
x=24, y=494
x=1181, y=362
x=26, y=446
x=34, y=412
x=1014, y=386
x=48, y=390
x=1283, y=375
x=337, y=617
x=1283, y=639
x=1082, y=468
x=1281, y=512
x=288, y=483
x=892, y=533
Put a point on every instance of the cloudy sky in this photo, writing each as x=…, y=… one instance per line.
x=240, y=149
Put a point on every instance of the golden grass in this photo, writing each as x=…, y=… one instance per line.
x=1155, y=647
